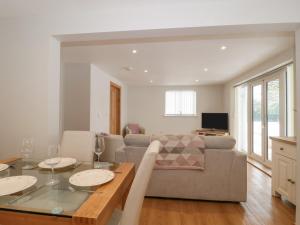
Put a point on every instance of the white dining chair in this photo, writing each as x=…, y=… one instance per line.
x=134, y=202
x=79, y=145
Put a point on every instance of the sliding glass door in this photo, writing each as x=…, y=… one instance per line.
x=267, y=114
x=264, y=108
x=241, y=117
x=273, y=113
x=257, y=120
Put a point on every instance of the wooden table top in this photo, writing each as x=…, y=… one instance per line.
x=97, y=209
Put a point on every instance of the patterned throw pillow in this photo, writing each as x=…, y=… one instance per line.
x=133, y=128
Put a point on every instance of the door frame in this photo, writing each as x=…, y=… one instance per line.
x=282, y=109
x=281, y=75
x=250, y=113
x=114, y=85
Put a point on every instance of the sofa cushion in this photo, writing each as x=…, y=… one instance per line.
x=171, y=143
x=211, y=142
x=219, y=142
x=138, y=140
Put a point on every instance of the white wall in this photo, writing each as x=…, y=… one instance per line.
x=297, y=58
x=229, y=99
x=86, y=98
x=100, y=100
x=76, y=96
x=146, y=106
x=24, y=84
x=54, y=84
x=29, y=85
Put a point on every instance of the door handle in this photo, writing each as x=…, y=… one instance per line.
x=281, y=149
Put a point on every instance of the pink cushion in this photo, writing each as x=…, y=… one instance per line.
x=134, y=128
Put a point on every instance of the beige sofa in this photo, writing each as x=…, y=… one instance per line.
x=224, y=177
x=112, y=143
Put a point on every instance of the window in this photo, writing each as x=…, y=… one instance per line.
x=180, y=103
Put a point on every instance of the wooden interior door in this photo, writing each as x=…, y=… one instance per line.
x=115, y=108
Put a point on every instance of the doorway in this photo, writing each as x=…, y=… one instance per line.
x=115, y=108
x=267, y=114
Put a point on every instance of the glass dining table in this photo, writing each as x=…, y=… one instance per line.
x=62, y=199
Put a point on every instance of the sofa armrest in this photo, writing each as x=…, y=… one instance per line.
x=120, y=155
x=112, y=143
x=130, y=154
x=238, y=177
x=228, y=168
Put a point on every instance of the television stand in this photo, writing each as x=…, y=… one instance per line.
x=211, y=132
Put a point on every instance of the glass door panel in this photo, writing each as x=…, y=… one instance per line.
x=257, y=119
x=268, y=114
x=241, y=115
x=273, y=113
x=270, y=105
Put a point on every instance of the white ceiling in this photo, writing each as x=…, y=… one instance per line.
x=180, y=62
x=25, y=8
x=22, y=8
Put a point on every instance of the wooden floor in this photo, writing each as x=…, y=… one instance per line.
x=260, y=166
x=260, y=209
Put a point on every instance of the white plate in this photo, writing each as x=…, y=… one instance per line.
x=64, y=162
x=11, y=185
x=94, y=177
x=3, y=166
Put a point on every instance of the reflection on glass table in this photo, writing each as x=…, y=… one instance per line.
x=27, y=151
x=61, y=199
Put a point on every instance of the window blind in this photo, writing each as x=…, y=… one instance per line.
x=180, y=103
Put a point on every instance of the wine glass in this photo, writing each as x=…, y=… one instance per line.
x=27, y=151
x=99, y=149
x=52, y=161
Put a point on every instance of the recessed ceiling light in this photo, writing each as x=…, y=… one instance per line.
x=223, y=47
x=145, y=71
x=197, y=81
x=151, y=81
x=128, y=68
x=205, y=69
x=134, y=51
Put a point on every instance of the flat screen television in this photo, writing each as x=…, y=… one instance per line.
x=215, y=121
